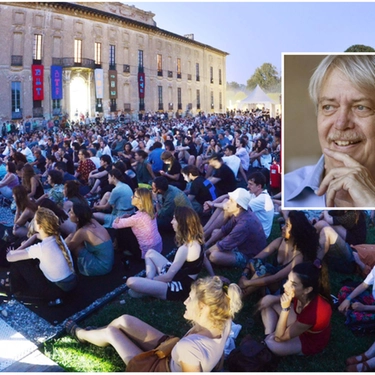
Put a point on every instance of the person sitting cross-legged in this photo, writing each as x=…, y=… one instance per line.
x=298, y=243
x=240, y=239
x=299, y=322
x=260, y=203
x=338, y=230
x=42, y=270
x=172, y=281
x=201, y=190
x=166, y=198
x=91, y=243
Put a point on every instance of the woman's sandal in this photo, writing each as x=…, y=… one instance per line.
x=354, y=361
x=354, y=368
x=71, y=328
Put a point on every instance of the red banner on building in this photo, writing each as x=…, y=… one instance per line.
x=141, y=85
x=38, y=87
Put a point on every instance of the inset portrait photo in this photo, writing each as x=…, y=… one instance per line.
x=329, y=131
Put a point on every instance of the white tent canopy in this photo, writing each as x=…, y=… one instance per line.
x=258, y=98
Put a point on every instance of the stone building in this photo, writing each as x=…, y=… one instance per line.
x=71, y=58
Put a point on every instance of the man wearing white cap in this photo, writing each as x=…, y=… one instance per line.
x=240, y=239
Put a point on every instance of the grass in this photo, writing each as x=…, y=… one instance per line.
x=167, y=316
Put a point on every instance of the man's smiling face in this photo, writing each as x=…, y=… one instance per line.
x=346, y=121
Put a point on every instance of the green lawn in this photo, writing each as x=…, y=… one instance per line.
x=167, y=317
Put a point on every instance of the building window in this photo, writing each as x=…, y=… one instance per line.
x=141, y=104
x=140, y=58
x=37, y=108
x=212, y=100
x=211, y=74
x=16, y=60
x=220, y=81
x=112, y=57
x=198, y=99
x=56, y=107
x=99, y=105
x=126, y=68
x=98, y=53
x=179, y=97
x=220, y=100
x=78, y=51
x=178, y=68
x=113, y=105
x=160, y=98
x=37, y=49
x=16, y=100
x=159, y=60
x=197, y=72
x=140, y=65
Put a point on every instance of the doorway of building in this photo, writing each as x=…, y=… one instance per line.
x=78, y=98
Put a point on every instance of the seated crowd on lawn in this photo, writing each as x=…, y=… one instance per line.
x=84, y=190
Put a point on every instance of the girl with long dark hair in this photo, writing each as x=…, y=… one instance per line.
x=298, y=243
x=91, y=243
x=299, y=322
x=172, y=281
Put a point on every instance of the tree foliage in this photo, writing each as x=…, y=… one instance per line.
x=360, y=48
x=233, y=85
x=266, y=77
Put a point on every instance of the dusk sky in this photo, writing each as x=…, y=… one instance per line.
x=255, y=33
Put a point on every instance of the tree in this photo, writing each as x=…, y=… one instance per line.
x=360, y=48
x=233, y=85
x=266, y=77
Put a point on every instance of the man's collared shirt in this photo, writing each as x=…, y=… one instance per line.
x=299, y=186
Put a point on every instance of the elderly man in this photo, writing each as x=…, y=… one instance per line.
x=343, y=90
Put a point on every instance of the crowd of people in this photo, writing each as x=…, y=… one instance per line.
x=82, y=191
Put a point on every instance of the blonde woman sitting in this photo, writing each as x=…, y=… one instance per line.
x=172, y=281
x=210, y=307
x=140, y=231
x=43, y=270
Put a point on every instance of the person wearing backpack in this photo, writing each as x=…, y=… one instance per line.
x=299, y=322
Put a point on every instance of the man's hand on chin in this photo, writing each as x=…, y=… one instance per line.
x=348, y=186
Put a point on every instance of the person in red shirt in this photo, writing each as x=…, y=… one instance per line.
x=299, y=322
x=85, y=166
